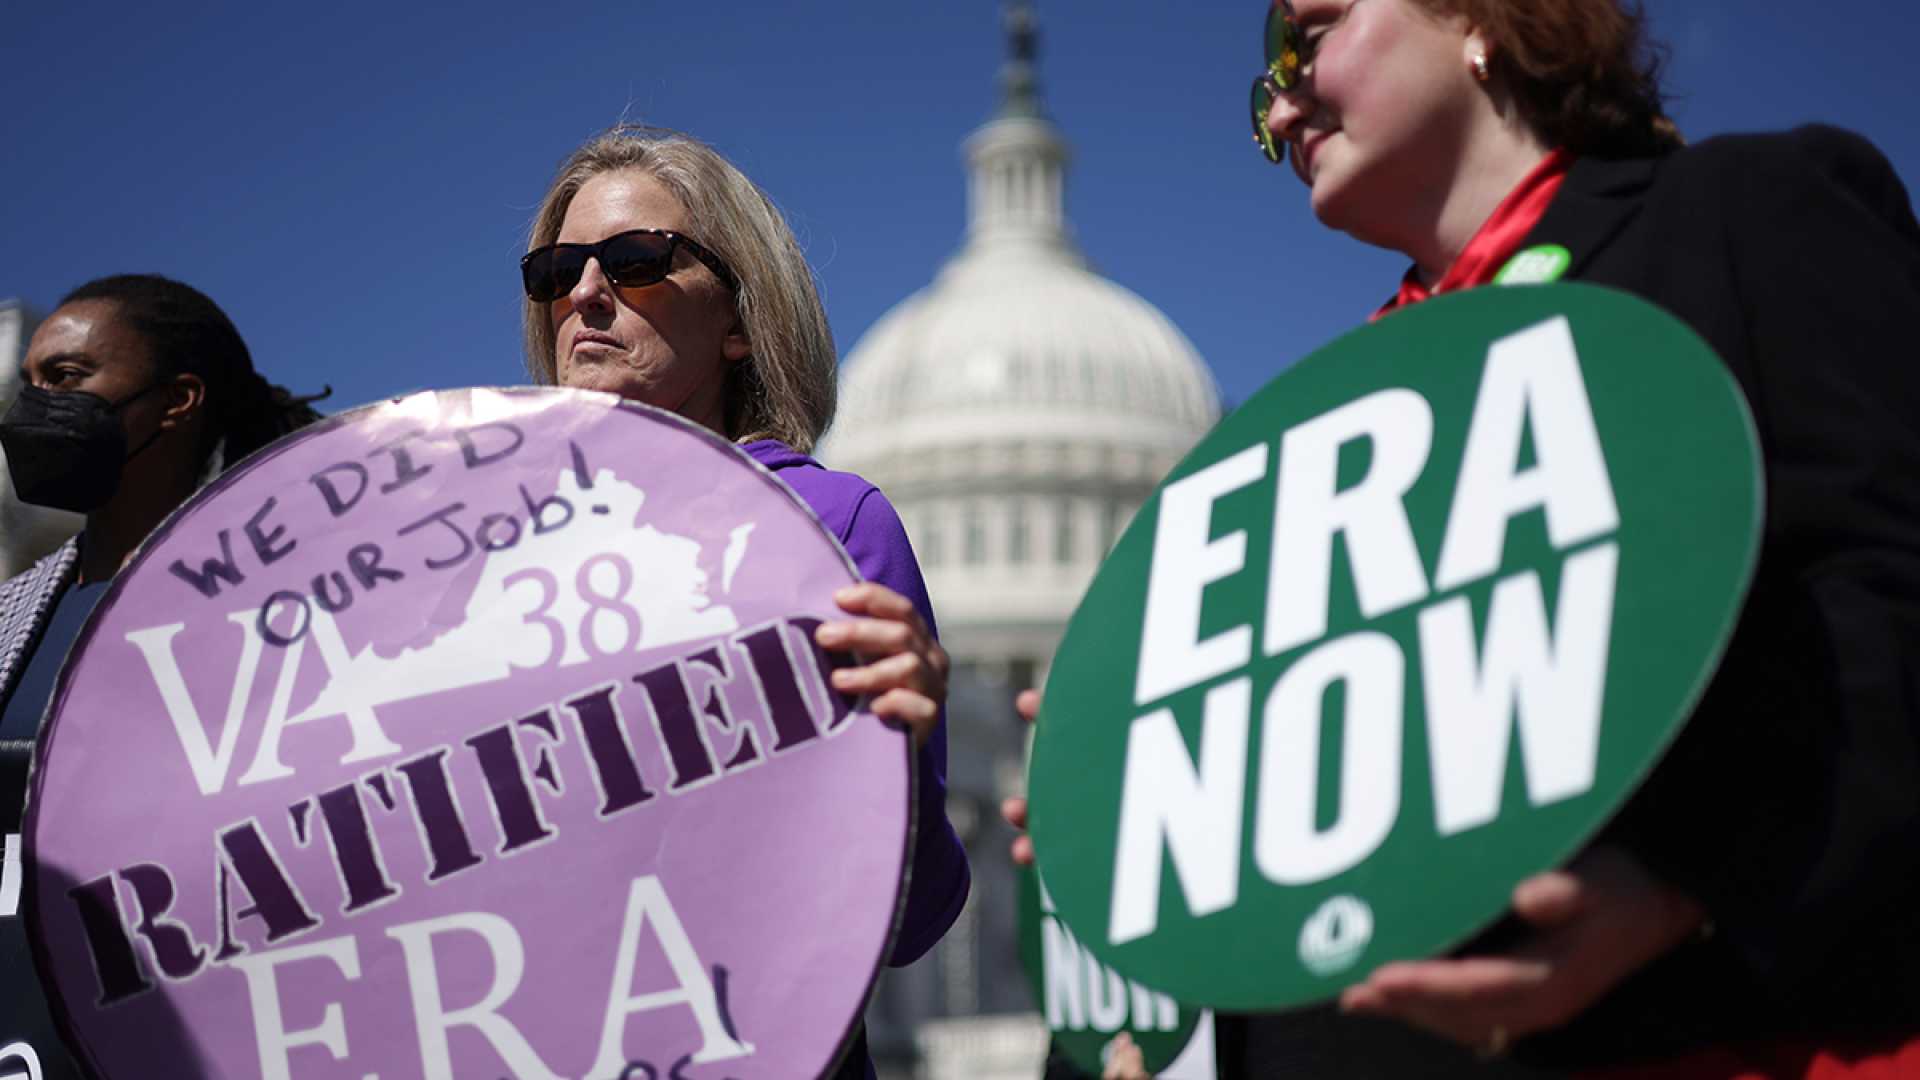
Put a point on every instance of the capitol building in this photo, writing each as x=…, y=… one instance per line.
x=1021, y=407
x=1016, y=411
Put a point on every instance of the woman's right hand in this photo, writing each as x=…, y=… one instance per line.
x=1015, y=809
x=905, y=670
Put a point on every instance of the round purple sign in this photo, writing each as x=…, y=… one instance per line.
x=475, y=734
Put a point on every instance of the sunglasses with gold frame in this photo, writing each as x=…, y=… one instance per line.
x=1288, y=51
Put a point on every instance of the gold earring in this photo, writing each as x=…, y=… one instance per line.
x=1480, y=66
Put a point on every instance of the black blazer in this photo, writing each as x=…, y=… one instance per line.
x=1790, y=805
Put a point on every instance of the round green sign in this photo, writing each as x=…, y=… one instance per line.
x=1404, y=629
x=1086, y=1003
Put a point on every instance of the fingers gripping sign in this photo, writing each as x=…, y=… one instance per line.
x=1014, y=809
x=900, y=666
x=1589, y=926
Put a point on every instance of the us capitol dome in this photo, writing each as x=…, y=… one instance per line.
x=1021, y=407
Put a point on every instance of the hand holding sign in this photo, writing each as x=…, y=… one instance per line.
x=477, y=733
x=1592, y=925
x=1124, y=1060
x=905, y=669
x=1014, y=809
x=1399, y=634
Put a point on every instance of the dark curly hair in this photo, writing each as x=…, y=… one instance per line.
x=187, y=333
x=1583, y=73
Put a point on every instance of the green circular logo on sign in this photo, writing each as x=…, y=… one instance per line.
x=1087, y=1003
x=1404, y=629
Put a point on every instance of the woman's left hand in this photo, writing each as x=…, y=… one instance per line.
x=1593, y=924
x=906, y=669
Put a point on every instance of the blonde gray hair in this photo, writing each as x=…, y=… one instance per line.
x=785, y=388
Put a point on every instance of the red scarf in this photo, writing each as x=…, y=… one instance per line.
x=1499, y=237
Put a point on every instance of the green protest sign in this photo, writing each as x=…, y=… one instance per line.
x=1087, y=1003
x=1404, y=629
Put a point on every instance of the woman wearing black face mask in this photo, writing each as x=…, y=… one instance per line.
x=138, y=390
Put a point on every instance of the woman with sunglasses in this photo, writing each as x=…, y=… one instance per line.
x=1756, y=907
x=660, y=273
x=138, y=391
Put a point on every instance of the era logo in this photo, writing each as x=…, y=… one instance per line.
x=19, y=1055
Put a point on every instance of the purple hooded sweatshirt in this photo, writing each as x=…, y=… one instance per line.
x=864, y=522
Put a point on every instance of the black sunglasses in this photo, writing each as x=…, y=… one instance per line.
x=630, y=259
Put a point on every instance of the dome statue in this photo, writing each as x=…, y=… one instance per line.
x=1019, y=408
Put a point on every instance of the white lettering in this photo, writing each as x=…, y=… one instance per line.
x=1069, y=970
x=369, y=741
x=1195, y=815
x=1309, y=512
x=1106, y=995
x=210, y=762
x=1066, y=1003
x=1532, y=381
x=263, y=993
x=1185, y=562
x=1557, y=678
x=431, y=1018
x=692, y=988
x=1153, y=1011
x=209, y=765
x=1287, y=846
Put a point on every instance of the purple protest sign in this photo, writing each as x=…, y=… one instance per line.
x=475, y=734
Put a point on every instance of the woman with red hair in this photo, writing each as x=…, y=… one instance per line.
x=1755, y=908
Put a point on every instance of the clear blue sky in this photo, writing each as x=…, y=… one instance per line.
x=353, y=182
